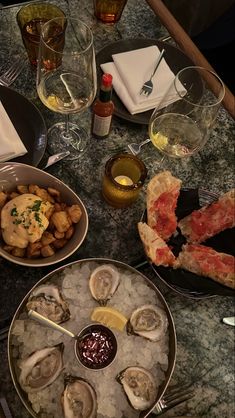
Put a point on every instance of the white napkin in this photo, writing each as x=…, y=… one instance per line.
x=11, y=145
x=131, y=69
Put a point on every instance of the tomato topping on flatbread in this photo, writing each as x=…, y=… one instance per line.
x=155, y=247
x=210, y=220
x=164, y=212
x=205, y=261
x=162, y=194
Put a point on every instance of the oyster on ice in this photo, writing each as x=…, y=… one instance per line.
x=139, y=387
x=41, y=368
x=78, y=399
x=48, y=301
x=148, y=321
x=103, y=283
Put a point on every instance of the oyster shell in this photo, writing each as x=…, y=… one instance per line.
x=41, y=368
x=78, y=399
x=148, y=321
x=48, y=301
x=139, y=387
x=103, y=282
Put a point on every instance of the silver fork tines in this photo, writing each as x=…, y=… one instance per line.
x=147, y=88
x=174, y=396
x=9, y=76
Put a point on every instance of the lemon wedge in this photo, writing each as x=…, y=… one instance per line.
x=110, y=317
x=54, y=102
x=159, y=140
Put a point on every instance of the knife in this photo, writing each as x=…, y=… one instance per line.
x=4, y=408
x=230, y=320
x=4, y=328
x=55, y=158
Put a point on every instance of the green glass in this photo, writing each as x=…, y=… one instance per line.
x=123, y=179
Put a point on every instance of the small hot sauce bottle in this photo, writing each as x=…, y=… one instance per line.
x=103, y=108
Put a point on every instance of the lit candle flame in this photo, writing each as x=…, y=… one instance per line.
x=124, y=180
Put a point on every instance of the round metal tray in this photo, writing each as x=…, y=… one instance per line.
x=55, y=277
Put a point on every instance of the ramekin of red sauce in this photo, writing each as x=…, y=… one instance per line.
x=96, y=347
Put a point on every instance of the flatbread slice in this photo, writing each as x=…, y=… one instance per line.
x=210, y=220
x=205, y=261
x=162, y=194
x=155, y=247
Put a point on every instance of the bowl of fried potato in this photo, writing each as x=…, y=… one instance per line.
x=42, y=221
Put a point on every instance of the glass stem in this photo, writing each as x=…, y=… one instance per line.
x=66, y=133
x=159, y=163
x=67, y=125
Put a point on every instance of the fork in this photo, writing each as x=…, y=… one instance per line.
x=174, y=396
x=9, y=76
x=147, y=88
x=4, y=407
x=135, y=148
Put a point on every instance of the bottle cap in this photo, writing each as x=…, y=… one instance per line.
x=107, y=79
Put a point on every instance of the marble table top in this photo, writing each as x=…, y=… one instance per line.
x=205, y=354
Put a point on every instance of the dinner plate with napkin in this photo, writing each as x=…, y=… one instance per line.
x=11, y=145
x=131, y=69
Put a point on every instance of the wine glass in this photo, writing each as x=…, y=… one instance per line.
x=182, y=123
x=66, y=80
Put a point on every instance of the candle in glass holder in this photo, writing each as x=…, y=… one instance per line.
x=123, y=179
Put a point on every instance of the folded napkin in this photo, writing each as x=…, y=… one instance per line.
x=11, y=145
x=131, y=69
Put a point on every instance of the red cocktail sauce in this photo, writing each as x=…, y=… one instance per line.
x=96, y=349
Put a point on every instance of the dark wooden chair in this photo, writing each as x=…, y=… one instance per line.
x=189, y=48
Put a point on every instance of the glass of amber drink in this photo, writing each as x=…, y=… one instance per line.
x=109, y=11
x=30, y=19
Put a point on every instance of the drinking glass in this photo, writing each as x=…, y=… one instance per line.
x=182, y=127
x=66, y=80
x=109, y=11
x=30, y=19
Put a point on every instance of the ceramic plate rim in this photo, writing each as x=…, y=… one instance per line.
x=43, y=262
x=135, y=43
x=8, y=92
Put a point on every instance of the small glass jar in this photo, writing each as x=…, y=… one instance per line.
x=123, y=179
x=96, y=347
x=109, y=11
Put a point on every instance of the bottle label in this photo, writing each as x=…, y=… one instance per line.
x=101, y=125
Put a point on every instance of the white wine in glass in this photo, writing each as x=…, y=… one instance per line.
x=181, y=128
x=66, y=80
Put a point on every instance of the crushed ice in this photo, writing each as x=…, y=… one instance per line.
x=28, y=336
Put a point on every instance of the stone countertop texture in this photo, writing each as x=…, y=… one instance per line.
x=205, y=354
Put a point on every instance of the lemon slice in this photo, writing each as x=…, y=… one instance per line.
x=110, y=317
x=159, y=140
x=54, y=102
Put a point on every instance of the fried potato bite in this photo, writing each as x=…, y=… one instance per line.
x=62, y=219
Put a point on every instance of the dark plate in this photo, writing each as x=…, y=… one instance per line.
x=185, y=282
x=174, y=57
x=29, y=124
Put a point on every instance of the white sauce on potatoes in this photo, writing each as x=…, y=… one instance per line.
x=23, y=220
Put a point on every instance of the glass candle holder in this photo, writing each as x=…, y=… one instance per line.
x=123, y=179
